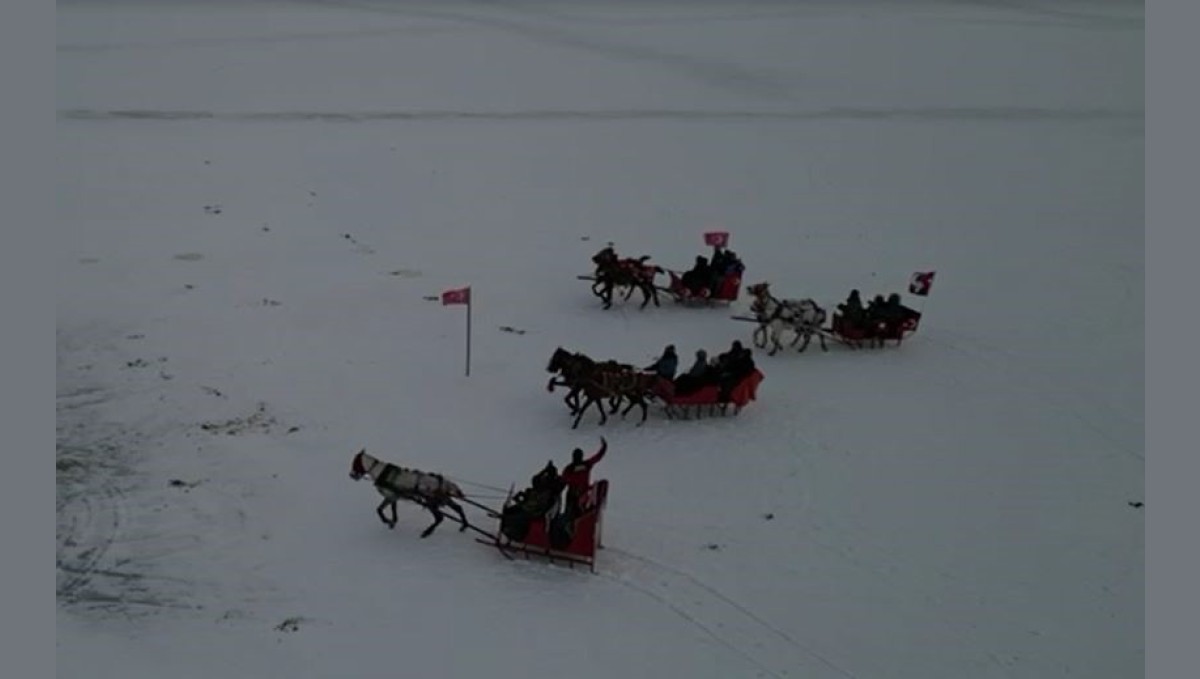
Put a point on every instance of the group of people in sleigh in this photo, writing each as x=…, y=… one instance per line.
x=544, y=498
x=705, y=278
x=889, y=313
x=726, y=371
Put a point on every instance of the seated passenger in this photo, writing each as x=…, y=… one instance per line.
x=666, y=365
x=696, y=376
x=698, y=278
x=852, y=308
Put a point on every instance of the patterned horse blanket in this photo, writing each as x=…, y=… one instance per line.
x=411, y=482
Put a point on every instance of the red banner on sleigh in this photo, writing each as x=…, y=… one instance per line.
x=717, y=239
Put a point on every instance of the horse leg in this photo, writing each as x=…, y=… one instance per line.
x=572, y=400
x=586, y=404
x=807, y=339
x=437, y=520
x=390, y=523
x=629, y=407
x=458, y=510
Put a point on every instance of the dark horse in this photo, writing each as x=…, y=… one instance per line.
x=613, y=272
x=599, y=381
x=431, y=491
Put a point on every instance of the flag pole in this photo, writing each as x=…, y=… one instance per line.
x=470, y=294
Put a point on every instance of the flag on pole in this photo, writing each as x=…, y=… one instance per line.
x=458, y=296
x=461, y=296
x=921, y=282
x=717, y=239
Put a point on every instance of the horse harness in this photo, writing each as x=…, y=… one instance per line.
x=390, y=479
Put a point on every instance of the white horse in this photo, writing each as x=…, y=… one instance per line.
x=431, y=491
x=803, y=317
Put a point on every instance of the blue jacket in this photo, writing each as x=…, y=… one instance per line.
x=665, y=366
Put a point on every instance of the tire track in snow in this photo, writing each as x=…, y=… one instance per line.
x=95, y=525
x=737, y=627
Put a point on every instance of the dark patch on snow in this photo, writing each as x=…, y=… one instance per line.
x=259, y=421
x=291, y=624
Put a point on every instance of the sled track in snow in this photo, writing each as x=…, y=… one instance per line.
x=731, y=624
x=91, y=520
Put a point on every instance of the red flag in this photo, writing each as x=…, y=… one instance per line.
x=921, y=282
x=459, y=296
x=717, y=239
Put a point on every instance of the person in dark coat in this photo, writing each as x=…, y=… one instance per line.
x=734, y=264
x=700, y=367
x=545, y=488
x=738, y=365
x=852, y=308
x=699, y=277
x=723, y=360
x=695, y=377
x=876, y=309
x=667, y=364
x=719, y=260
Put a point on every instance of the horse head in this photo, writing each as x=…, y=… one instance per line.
x=557, y=360
x=605, y=256
x=357, y=467
x=760, y=291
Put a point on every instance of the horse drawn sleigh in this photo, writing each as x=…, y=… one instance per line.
x=707, y=283
x=854, y=325
x=605, y=385
x=532, y=522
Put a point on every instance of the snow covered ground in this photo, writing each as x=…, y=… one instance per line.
x=256, y=199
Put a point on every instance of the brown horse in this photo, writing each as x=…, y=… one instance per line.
x=634, y=274
x=598, y=381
